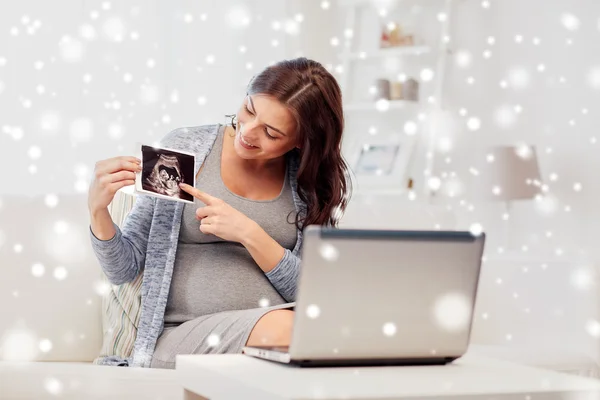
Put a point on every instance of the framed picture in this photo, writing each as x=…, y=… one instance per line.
x=380, y=164
x=163, y=170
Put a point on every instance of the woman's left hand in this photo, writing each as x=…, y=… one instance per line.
x=219, y=218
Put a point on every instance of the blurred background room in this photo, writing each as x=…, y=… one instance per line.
x=477, y=115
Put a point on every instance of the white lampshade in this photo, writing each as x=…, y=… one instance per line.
x=510, y=173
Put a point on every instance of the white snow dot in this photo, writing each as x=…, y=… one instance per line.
x=38, y=270
x=51, y=200
x=325, y=5
x=593, y=328
x=505, y=117
x=45, y=345
x=389, y=329
x=210, y=59
x=34, y=152
x=238, y=17
x=519, y=78
x=101, y=288
x=476, y=229
x=114, y=29
x=87, y=31
x=335, y=41
x=382, y=105
x=313, y=311
x=577, y=187
x=570, y=22
x=213, y=340
x=410, y=128
x=329, y=252
x=524, y=151
x=71, y=50
x=115, y=131
x=427, y=74
x=452, y=312
x=150, y=63
x=202, y=100
x=50, y=121
x=263, y=302
x=434, y=183
x=53, y=386
x=474, y=123
x=60, y=273
x=127, y=77
x=188, y=18
x=593, y=77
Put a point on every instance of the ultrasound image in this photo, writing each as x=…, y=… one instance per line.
x=164, y=170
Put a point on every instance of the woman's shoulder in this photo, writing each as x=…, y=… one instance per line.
x=182, y=138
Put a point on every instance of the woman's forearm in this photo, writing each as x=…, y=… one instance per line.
x=102, y=224
x=265, y=250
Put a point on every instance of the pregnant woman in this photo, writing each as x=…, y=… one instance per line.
x=222, y=273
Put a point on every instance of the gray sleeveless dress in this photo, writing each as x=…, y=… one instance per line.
x=218, y=292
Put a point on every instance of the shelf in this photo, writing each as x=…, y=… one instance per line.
x=348, y=3
x=372, y=106
x=389, y=52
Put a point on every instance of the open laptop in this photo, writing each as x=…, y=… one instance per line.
x=382, y=297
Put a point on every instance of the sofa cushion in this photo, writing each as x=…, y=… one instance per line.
x=121, y=304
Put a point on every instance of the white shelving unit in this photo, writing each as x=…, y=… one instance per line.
x=391, y=52
x=389, y=105
x=350, y=56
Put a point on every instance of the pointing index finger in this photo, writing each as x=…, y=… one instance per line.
x=200, y=195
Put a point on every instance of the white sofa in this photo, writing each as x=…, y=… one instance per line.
x=51, y=326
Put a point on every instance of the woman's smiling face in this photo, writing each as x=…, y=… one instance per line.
x=265, y=129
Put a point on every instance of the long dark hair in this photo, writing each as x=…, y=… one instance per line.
x=314, y=98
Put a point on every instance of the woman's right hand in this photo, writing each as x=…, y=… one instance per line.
x=111, y=175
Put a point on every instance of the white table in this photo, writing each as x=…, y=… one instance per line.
x=217, y=377
x=76, y=381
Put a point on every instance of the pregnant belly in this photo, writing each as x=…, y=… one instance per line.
x=216, y=277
